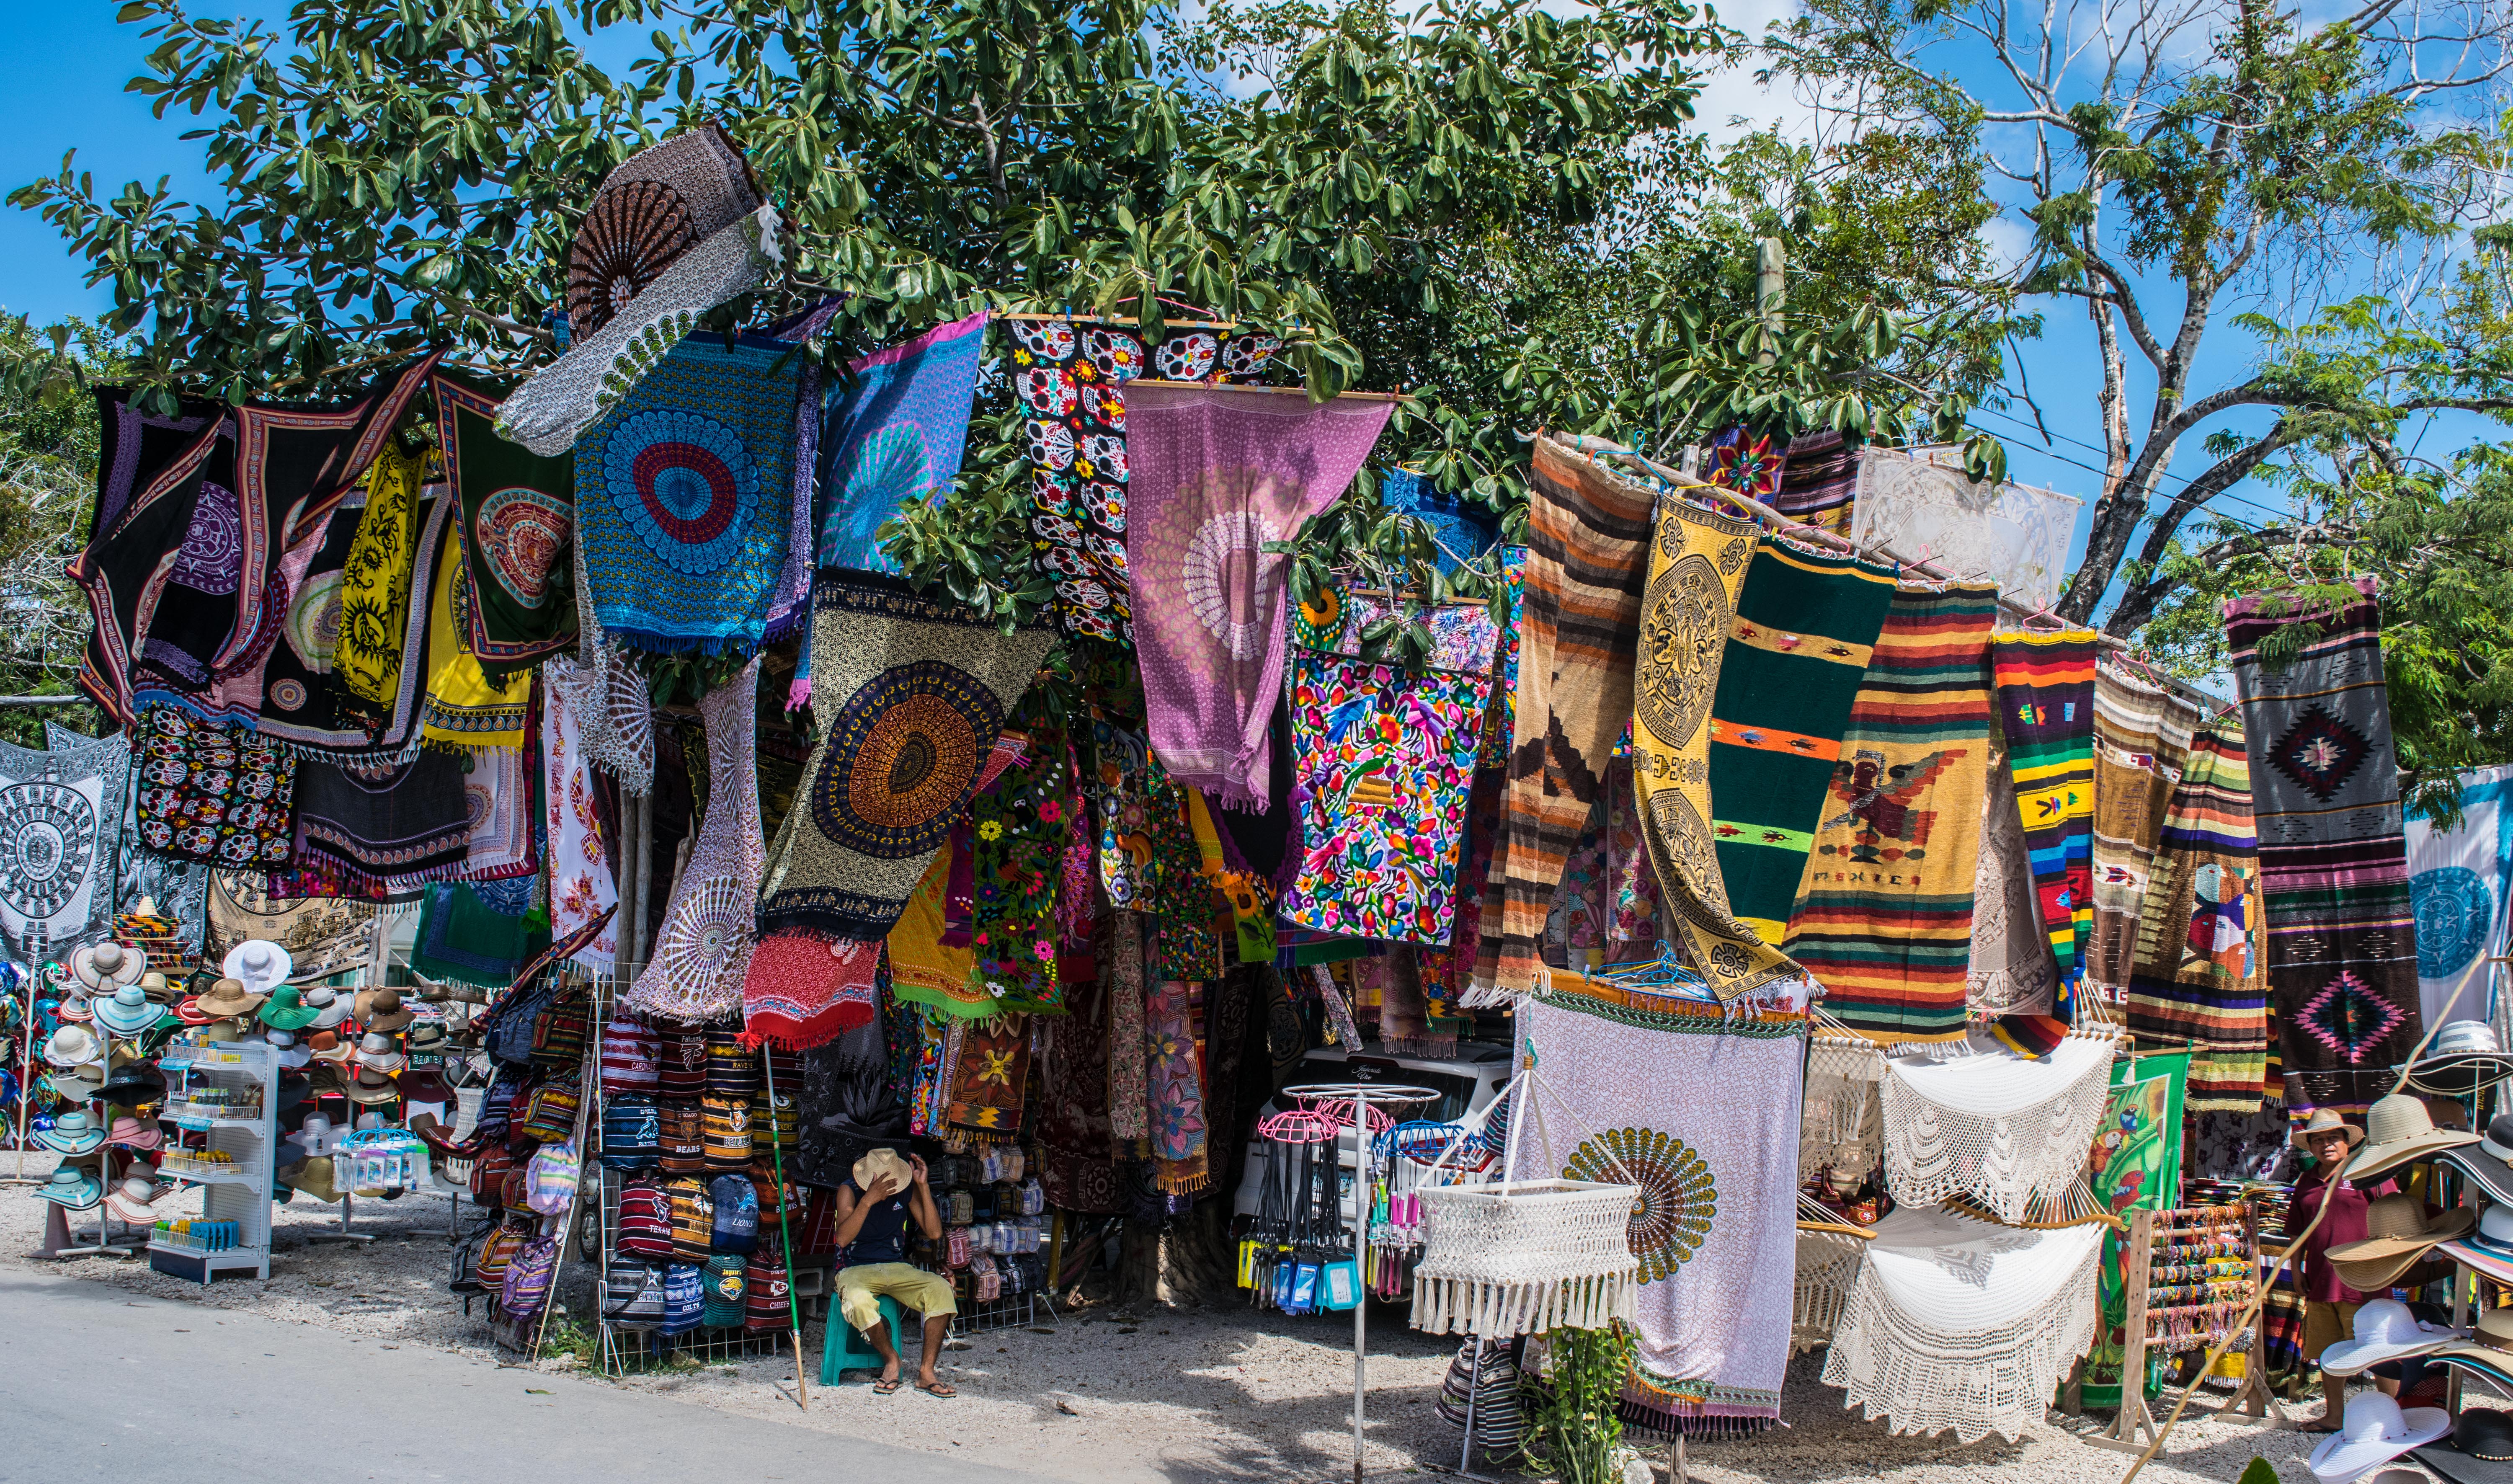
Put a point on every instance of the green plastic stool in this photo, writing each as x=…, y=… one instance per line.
x=843, y=1348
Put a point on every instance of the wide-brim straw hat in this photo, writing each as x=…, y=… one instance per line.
x=74, y=1189
x=879, y=1163
x=2398, y=1237
x=126, y=1012
x=260, y=965
x=2464, y=1057
x=2325, y=1121
x=230, y=998
x=73, y=1046
x=2384, y=1331
x=384, y=1010
x=105, y=967
x=372, y=1086
x=2376, y=1429
x=2400, y=1131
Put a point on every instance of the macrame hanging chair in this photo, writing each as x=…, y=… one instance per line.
x=1525, y=1257
x=1827, y=1265
x=2007, y=1133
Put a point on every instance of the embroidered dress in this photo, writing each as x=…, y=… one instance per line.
x=1804, y=628
x=1217, y=473
x=2046, y=711
x=581, y=884
x=518, y=524
x=895, y=438
x=910, y=694
x=1383, y=764
x=2342, y=942
x=1587, y=561
x=463, y=709
x=1884, y=919
x=683, y=497
x=1655, y=1085
x=1697, y=564
x=218, y=794
x=2141, y=744
x=2197, y=972
x=702, y=951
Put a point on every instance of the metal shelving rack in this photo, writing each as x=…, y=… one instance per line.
x=239, y=1192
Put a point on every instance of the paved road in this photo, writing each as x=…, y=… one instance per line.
x=95, y=1383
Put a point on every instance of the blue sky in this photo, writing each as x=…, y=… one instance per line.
x=72, y=95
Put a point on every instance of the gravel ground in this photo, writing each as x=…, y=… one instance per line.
x=1108, y=1397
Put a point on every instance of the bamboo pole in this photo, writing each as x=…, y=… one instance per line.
x=785, y=1233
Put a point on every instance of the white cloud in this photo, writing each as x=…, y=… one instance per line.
x=1734, y=103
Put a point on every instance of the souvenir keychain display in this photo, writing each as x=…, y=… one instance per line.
x=1299, y=1231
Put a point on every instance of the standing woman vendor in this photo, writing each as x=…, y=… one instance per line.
x=2329, y=1304
x=875, y=1209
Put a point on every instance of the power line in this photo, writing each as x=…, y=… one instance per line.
x=2098, y=449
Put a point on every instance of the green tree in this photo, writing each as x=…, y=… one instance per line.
x=48, y=457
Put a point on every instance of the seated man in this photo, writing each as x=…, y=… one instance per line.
x=872, y=1244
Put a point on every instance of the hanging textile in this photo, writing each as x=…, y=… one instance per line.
x=518, y=524
x=323, y=936
x=1586, y=564
x=2002, y=1128
x=2457, y=880
x=1922, y=506
x=910, y=694
x=1461, y=529
x=302, y=703
x=2135, y=1164
x=1957, y=1325
x=1842, y=1130
x=148, y=482
x=1804, y=629
x=1657, y=1093
x=2010, y=970
x=1820, y=481
x=60, y=825
x=502, y=837
x=1071, y=381
x=405, y=823
x=684, y=496
x=894, y=437
x=676, y=229
x=2046, y=711
x=175, y=892
x=1884, y=919
x=800, y=990
x=1121, y=969
x=986, y=1080
x=375, y=580
x=2334, y=861
x=2197, y=972
x=461, y=937
x=850, y=1101
x=927, y=965
x=1016, y=843
x=1605, y=909
x=463, y=708
x=702, y=951
x=1501, y=717
x=1077, y=1160
x=1217, y=473
x=583, y=886
x=2142, y=746
x=214, y=793
x=1177, y=1092
x=1741, y=459
x=1383, y=762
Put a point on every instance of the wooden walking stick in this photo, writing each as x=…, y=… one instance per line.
x=785, y=1232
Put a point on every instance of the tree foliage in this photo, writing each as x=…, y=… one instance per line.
x=48, y=456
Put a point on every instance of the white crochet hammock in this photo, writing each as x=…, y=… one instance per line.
x=2010, y=1133
x=1524, y=1256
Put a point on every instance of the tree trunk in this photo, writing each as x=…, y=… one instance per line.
x=1182, y=1263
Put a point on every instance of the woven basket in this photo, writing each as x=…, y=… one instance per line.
x=1524, y=1257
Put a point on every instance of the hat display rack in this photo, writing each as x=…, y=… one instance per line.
x=227, y=1094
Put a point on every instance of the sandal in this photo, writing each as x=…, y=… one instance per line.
x=937, y=1388
x=888, y=1386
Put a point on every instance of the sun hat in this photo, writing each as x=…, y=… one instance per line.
x=72, y=1133
x=287, y=1010
x=371, y=1086
x=74, y=1008
x=262, y=965
x=126, y=1012
x=129, y=1133
x=77, y=1085
x=379, y=1052
x=2464, y=1057
x=316, y=1133
x=134, y=1200
x=2483, y=1432
x=338, y=1051
x=427, y=1038
x=2397, y=1238
x=292, y=1053
x=156, y=986
x=330, y=1005
x=76, y=1188
x=423, y=1084
x=2375, y=1432
x=383, y=1010
x=2323, y=1121
x=230, y=998
x=879, y=1163
x=2385, y=1330
x=133, y=1085
x=73, y=1046
x=2489, y=1350
x=105, y=967
x=318, y=1178
x=2399, y=1131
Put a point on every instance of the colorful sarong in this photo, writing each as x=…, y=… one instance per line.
x=1017, y=844
x=802, y=990
x=2457, y=887
x=684, y=496
x=1176, y=1091
x=929, y=964
x=463, y=707
x=518, y=525
x=2045, y=710
x=404, y=824
x=1605, y=909
x=1697, y=565
x=224, y=795
x=1588, y=533
x=300, y=702
x=2141, y=744
x=895, y=438
x=1884, y=920
x=2342, y=948
x=1217, y=473
x=147, y=481
x=2198, y=973
x=377, y=586
x=701, y=952
x=582, y=885
x=909, y=693
x=1657, y=1086
x=1804, y=631
x=1820, y=481
x=1503, y=713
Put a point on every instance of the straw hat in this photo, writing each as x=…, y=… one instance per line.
x=372, y=1086
x=2397, y=1238
x=126, y=1012
x=73, y=1046
x=2399, y=1131
x=383, y=1010
x=381, y=1052
x=73, y=1188
x=134, y=1200
x=880, y=1163
x=105, y=967
x=330, y=1009
x=154, y=985
x=129, y=1133
x=2323, y=1121
x=261, y=966
x=2375, y=1430
x=75, y=1008
x=230, y=998
x=427, y=1038
x=2385, y=1330
x=2464, y=1057
x=423, y=1084
x=72, y=1133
